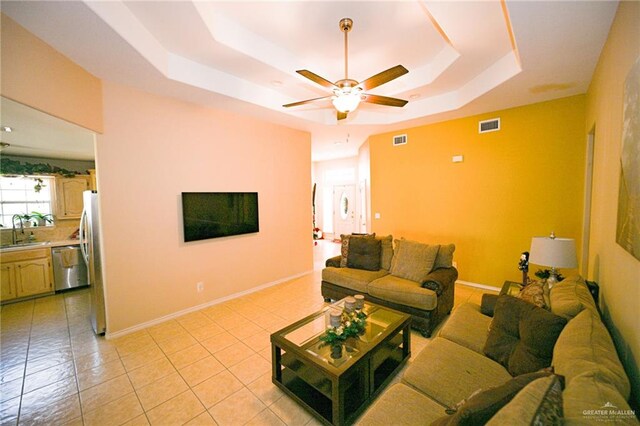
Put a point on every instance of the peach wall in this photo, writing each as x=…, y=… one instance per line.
x=35, y=74
x=616, y=271
x=525, y=180
x=154, y=148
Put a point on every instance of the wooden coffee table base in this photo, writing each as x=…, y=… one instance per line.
x=338, y=396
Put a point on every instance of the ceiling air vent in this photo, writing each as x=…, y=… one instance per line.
x=399, y=140
x=487, y=126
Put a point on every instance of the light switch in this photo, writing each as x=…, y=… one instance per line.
x=457, y=158
x=377, y=215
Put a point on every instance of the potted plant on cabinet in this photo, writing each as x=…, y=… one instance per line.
x=41, y=219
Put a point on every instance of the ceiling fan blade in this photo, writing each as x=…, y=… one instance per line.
x=384, y=100
x=383, y=77
x=341, y=115
x=316, y=79
x=308, y=101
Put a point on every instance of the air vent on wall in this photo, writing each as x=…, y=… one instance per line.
x=487, y=126
x=399, y=140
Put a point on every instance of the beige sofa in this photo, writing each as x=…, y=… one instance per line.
x=428, y=302
x=452, y=366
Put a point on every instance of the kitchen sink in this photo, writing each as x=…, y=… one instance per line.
x=35, y=243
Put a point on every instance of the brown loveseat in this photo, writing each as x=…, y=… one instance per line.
x=427, y=301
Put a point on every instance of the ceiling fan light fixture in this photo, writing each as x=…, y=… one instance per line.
x=346, y=101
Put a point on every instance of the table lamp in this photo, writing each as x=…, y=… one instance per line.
x=553, y=252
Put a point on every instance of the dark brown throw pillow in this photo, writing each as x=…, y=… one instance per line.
x=481, y=406
x=488, y=304
x=364, y=253
x=344, y=249
x=522, y=335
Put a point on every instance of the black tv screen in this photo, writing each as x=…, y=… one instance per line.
x=219, y=214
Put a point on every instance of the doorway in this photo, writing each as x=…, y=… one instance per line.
x=344, y=204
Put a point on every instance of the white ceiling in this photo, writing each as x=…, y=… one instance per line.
x=36, y=134
x=242, y=56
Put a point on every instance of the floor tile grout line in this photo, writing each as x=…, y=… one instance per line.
x=75, y=372
x=24, y=374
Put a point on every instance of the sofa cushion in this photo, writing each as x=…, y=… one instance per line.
x=539, y=403
x=592, y=391
x=447, y=372
x=386, y=251
x=585, y=345
x=354, y=279
x=467, y=327
x=401, y=405
x=444, y=259
x=522, y=335
x=364, y=253
x=570, y=296
x=404, y=292
x=480, y=407
x=413, y=260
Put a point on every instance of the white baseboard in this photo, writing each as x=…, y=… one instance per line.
x=174, y=315
x=476, y=285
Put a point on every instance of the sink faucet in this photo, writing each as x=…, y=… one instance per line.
x=14, y=236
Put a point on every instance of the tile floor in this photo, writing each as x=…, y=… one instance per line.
x=205, y=368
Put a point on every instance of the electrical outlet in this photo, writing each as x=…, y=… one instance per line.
x=377, y=216
x=199, y=287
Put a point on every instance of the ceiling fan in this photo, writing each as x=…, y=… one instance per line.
x=347, y=93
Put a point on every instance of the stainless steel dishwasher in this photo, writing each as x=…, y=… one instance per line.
x=69, y=269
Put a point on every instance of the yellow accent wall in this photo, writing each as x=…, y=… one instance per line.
x=616, y=271
x=522, y=181
x=35, y=74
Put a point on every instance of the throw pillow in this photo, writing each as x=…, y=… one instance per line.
x=539, y=403
x=478, y=408
x=386, y=251
x=413, y=260
x=537, y=293
x=344, y=248
x=488, y=304
x=364, y=253
x=444, y=259
x=522, y=335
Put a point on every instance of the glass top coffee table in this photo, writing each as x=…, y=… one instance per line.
x=337, y=390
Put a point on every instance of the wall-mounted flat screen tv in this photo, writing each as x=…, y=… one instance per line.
x=219, y=214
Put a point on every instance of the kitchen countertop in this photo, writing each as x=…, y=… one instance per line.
x=39, y=245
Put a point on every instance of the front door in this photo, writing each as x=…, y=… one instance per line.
x=344, y=205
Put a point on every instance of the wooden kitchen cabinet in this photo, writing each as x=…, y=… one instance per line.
x=69, y=196
x=93, y=183
x=7, y=281
x=26, y=273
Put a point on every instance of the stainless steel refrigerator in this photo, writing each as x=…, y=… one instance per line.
x=90, y=246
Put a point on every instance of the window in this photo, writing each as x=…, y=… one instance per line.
x=18, y=196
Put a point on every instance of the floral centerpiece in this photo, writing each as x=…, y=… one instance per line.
x=352, y=324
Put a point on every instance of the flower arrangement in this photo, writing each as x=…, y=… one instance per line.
x=544, y=274
x=352, y=324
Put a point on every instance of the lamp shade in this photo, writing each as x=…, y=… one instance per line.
x=554, y=252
